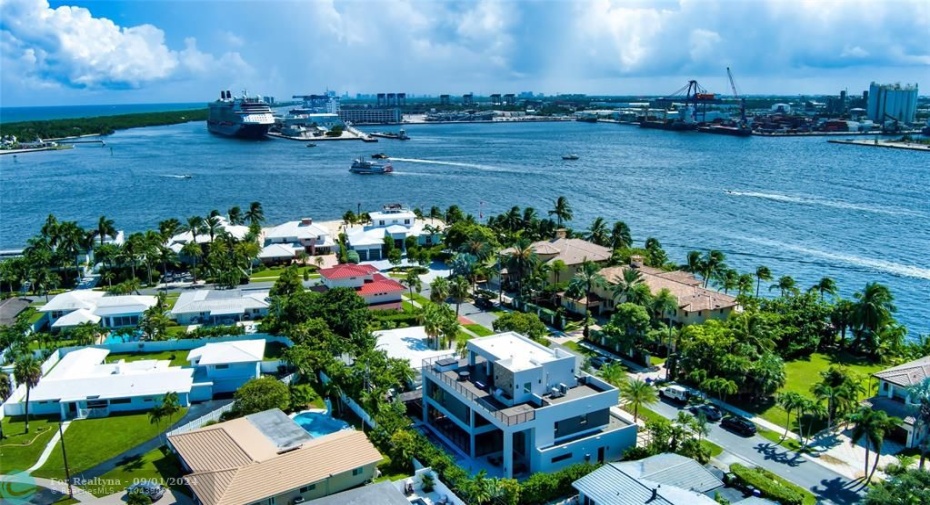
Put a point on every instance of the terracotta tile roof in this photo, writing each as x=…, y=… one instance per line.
x=348, y=270
x=572, y=251
x=380, y=284
x=907, y=374
x=691, y=296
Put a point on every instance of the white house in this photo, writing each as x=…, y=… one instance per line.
x=80, y=306
x=81, y=385
x=177, y=242
x=523, y=406
x=410, y=344
x=379, y=291
x=228, y=365
x=896, y=397
x=208, y=306
x=297, y=236
x=394, y=221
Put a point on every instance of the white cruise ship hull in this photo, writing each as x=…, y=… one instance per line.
x=240, y=130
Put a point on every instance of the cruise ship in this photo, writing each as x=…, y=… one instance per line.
x=245, y=116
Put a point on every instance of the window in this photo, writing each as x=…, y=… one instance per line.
x=221, y=367
x=562, y=457
x=527, y=387
x=381, y=223
x=307, y=489
x=357, y=471
x=119, y=401
x=406, y=221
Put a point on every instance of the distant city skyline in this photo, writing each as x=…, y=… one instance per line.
x=92, y=52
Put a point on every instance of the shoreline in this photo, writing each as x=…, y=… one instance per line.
x=908, y=146
x=36, y=149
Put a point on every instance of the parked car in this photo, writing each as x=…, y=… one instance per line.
x=739, y=425
x=599, y=361
x=710, y=412
x=675, y=393
x=151, y=489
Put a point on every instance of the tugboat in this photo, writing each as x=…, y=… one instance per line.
x=365, y=167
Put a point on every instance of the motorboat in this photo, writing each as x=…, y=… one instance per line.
x=379, y=156
x=366, y=167
x=569, y=156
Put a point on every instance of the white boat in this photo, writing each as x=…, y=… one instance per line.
x=244, y=116
x=363, y=166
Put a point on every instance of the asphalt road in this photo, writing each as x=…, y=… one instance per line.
x=827, y=485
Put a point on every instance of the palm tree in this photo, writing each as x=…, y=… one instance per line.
x=825, y=285
x=872, y=310
x=5, y=391
x=598, y=232
x=194, y=225
x=105, y=228
x=620, y=237
x=562, y=210
x=744, y=284
x=638, y=393
x=711, y=265
x=412, y=281
x=433, y=321
x=613, y=373
x=28, y=371
x=762, y=274
x=439, y=290
x=255, y=215
x=920, y=393
x=521, y=261
x=728, y=279
x=693, y=263
x=170, y=405
x=625, y=285
x=785, y=284
x=872, y=426
x=234, y=214
x=586, y=279
x=212, y=226
x=156, y=415
x=459, y=291
x=168, y=228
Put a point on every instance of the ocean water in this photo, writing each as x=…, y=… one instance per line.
x=801, y=206
x=15, y=114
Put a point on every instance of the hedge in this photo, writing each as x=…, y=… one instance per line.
x=772, y=486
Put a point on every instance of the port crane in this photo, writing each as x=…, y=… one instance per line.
x=692, y=94
x=742, y=101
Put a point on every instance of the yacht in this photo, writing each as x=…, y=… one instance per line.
x=363, y=166
x=244, y=116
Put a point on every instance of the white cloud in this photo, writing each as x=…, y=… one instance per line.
x=68, y=46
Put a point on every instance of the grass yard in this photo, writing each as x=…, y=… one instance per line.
x=803, y=374
x=19, y=450
x=715, y=450
x=267, y=274
x=177, y=358
x=577, y=349
x=159, y=465
x=417, y=297
x=90, y=442
x=479, y=330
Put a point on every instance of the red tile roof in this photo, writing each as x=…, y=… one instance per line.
x=380, y=284
x=347, y=270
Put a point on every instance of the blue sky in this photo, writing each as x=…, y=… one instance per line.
x=101, y=52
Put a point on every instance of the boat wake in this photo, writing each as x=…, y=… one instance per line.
x=170, y=176
x=447, y=163
x=826, y=203
x=877, y=264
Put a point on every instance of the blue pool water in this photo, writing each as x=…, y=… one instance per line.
x=318, y=424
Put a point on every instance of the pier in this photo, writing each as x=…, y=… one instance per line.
x=891, y=144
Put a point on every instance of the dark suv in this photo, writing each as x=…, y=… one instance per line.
x=739, y=425
x=600, y=361
x=710, y=412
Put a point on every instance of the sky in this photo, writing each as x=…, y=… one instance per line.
x=157, y=51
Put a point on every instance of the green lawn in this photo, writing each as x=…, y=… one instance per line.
x=409, y=307
x=159, y=465
x=177, y=358
x=20, y=450
x=803, y=374
x=715, y=450
x=479, y=330
x=274, y=350
x=417, y=297
x=171, y=299
x=92, y=441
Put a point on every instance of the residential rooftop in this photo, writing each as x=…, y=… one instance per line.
x=515, y=352
x=238, y=351
x=907, y=374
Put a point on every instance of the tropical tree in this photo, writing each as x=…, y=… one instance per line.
x=170, y=405
x=156, y=415
x=585, y=280
x=255, y=215
x=711, y=265
x=412, y=281
x=5, y=391
x=168, y=228
x=556, y=267
x=744, y=284
x=437, y=322
x=613, y=373
x=786, y=285
x=871, y=427
x=638, y=393
x=28, y=371
x=105, y=228
x=195, y=225
x=872, y=310
x=620, y=237
x=825, y=285
x=234, y=215
x=762, y=274
x=521, y=261
x=624, y=285
x=920, y=394
x=458, y=289
x=598, y=232
x=562, y=210
x=439, y=290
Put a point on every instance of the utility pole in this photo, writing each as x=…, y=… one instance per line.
x=64, y=455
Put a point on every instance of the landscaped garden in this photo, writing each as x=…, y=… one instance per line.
x=20, y=450
x=90, y=442
x=159, y=465
x=177, y=358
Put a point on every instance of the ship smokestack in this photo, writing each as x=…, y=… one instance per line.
x=228, y=94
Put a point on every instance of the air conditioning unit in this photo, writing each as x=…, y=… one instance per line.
x=563, y=388
x=555, y=393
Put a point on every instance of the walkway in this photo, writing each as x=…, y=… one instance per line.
x=49, y=448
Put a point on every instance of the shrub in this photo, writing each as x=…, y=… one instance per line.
x=769, y=484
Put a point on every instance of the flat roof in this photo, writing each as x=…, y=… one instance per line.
x=231, y=301
x=513, y=351
x=411, y=344
x=382, y=493
x=236, y=351
x=73, y=300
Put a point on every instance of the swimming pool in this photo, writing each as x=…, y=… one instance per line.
x=318, y=424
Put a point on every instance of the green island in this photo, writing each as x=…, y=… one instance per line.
x=798, y=357
x=104, y=125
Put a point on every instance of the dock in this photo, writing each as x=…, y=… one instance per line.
x=891, y=144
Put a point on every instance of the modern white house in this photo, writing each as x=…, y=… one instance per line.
x=397, y=222
x=228, y=306
x=293, y=237
x=83, y=305
x=82, y=385
x=896, y=398
x=177, y=242
x=379, y=291
x=227, y=365
x=524, y=407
